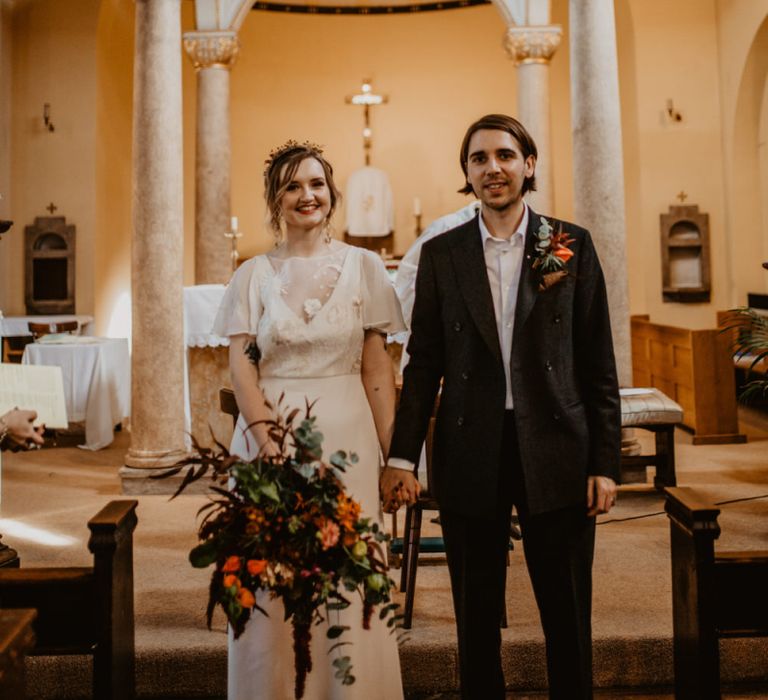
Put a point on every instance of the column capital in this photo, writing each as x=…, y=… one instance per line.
x=532, y=44
x=211, y=49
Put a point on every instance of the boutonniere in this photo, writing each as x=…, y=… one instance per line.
x=553, y=252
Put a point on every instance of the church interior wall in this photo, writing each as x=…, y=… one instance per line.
x=114, y=59
x=53, y=61
x=5, y=144
x=441, y=70
x=676, y=58
x=743, y=42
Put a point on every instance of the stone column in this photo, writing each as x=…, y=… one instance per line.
x=157, y=376
x=213, y=53
x=531, y=48
x=598, y=165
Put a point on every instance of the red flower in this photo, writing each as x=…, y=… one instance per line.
x=565, y=254
x=246, y=598
x=232, y=564
x=256, y=566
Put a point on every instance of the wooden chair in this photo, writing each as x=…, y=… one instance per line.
x=87, y=610
x=714, y=595
x=412, y=544
x=374, y=243
x=38, y=330
x=228, y=404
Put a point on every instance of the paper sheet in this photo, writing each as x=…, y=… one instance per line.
x=34, y=387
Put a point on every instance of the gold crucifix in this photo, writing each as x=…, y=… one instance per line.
x=367, y=98
x=51, y=208
x=682, y=196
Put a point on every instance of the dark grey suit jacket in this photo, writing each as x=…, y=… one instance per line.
x=564, y=384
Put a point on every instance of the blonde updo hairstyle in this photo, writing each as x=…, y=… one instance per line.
x=281, y=168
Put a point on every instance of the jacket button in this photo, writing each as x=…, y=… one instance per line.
x=556, y=416
x=459, y=421
x=465, y=375
x=457, y=326
x=548, y=366
x=556, y=319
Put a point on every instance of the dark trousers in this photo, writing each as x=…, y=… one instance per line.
x=559, y=550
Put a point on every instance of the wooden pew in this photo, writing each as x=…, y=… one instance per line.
x=16, y=640
x=714, y=595
x=87, y=610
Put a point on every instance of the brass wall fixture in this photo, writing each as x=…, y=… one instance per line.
x=47, y=117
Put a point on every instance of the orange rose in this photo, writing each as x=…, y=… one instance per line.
x=246, y=598
x=231, y=580
x=565, y=254
x=232, y=564
x=256, y=566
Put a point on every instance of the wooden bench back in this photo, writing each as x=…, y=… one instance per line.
x=87, y=610
x=714, y=595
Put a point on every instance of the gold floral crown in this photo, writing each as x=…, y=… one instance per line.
x=289, y=145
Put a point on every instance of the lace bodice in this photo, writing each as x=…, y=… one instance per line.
x=309, y=315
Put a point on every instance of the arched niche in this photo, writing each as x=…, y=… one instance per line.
x=49, y=270
x=685, y=255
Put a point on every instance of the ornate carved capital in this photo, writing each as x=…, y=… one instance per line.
x=532, y=44
x=212, y=49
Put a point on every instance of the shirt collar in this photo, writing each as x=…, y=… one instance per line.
x=519, y=233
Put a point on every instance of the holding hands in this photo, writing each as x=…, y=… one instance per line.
x=17, y=429
x=398, y=487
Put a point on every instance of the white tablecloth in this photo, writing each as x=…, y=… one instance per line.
x=19, y=325
x=97, y=383
x=201, y=303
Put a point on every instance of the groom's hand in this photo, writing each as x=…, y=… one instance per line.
x=601, y=495
x=398, y=487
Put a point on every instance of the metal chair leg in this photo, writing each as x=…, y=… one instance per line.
x=413, y=564
x=406, y=547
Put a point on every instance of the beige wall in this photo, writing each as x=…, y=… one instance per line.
x=743, y=48
x=665, y=157
x=53, y=56
x=5, y=149
x=441, y=70
x=112, y=257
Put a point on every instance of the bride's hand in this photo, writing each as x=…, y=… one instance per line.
x=270, y=449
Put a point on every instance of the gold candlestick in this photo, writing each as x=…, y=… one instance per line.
x=233, y=235
x=418, y=223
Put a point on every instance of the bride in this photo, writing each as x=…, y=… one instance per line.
x=310, y=319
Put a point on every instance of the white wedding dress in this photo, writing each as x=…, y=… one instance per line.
x=309, y=316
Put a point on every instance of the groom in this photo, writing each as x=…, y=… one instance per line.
x=529, y=410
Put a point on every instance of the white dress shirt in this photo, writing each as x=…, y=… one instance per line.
x=503, y=263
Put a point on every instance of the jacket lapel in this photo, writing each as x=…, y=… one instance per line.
x=528, y=291
x=469, y=264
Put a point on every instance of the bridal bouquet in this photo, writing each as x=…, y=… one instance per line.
x=286, y=525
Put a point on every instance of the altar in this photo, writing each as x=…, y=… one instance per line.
x=207, y=366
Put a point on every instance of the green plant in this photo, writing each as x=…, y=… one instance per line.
x=750, y=342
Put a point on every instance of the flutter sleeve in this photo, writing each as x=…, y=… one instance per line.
x=241, y=308
x=381, y=308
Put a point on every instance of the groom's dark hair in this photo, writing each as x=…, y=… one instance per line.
x=499, y=122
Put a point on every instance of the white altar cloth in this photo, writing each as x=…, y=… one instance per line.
x=201, y=303
x=97, y=382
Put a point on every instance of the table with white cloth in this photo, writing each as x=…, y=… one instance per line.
x=18, y=327
x=207, y=365
x=97, y=382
